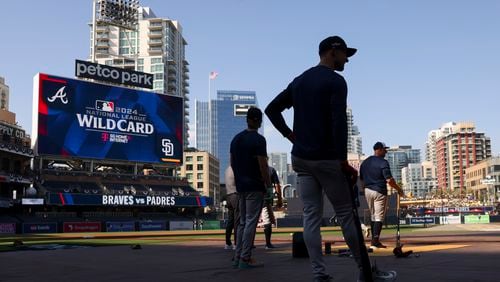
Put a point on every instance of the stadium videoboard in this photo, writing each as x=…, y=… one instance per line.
x=81, y=119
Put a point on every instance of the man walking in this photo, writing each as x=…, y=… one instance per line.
x=319, y=154
x=375, y=174
x=267, y=215
x=232, y=207
x=249, y=163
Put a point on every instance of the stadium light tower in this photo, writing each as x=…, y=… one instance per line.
x=120, y=13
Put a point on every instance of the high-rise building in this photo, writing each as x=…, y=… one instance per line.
x=202, y=172
x=434, y=135
x=228, y=118
x=399, y=157
x=4, y=95
x=202, y=127
x=419, y=179
x=157, y=46
x=279, y=162
x=354, y=140
x=461, y=148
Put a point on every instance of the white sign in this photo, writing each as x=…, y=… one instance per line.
x=449, y=220
x=32, y=201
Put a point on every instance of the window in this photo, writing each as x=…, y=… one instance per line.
x=189, y=159
x=156, y=68
x=158, y=84
x=123, y=50
x=199, y=167
x=140, y=61
x=158, y=75
x=140, y=68
x=189, y=167
x=108, y=62
x=199, y=158
x=189, y=176
x=199, y=176
x=156, y=61
x=199, y=185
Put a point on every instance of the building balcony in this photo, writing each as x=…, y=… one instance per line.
x=172, y=68
x=185, y=75
x=101, y=44
x=185, y=83
x=102, y=28
x=171, y=62
x=155, y=34
x=155, y=42
x=102, y=36
x=155, y=50
x=155, y=25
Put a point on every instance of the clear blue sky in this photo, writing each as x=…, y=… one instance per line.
x=419, y=63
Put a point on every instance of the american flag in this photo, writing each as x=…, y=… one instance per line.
x=213, y=74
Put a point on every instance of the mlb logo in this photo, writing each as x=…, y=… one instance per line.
x=105, y=106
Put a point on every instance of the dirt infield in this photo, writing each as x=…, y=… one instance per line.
x=445, y=254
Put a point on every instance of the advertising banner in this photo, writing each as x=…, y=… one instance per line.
x=180, y=225
x=211, y=224
x=477, y=219
x=422, y=220
x=450, y=220
x=76, y=199
x=75, y=118
x=7, y=228
x=120, y=226
x=150, y=225
x=81, y=227
x=40, y=227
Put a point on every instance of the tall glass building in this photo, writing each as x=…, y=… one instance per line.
x=399, y=157
x=228, y=118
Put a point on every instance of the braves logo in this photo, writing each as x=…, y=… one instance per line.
x=60, y=94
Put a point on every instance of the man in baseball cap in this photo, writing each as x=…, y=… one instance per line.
x=375, y=173
x=319, y=153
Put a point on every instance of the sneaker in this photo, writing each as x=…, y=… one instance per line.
x=324, y=278
x=377, y=245
x=380, y=275
x=249, y=264
x=228, y=247
x=270, y=247
x=235, y=263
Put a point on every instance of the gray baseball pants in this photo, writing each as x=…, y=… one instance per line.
x=313, y=179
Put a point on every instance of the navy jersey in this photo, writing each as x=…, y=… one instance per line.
x=319, y=100
x=246, y=146
x=374, y=172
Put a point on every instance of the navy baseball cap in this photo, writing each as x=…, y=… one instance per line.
x=254, y=113
x=380, y=145
x=335, y=42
